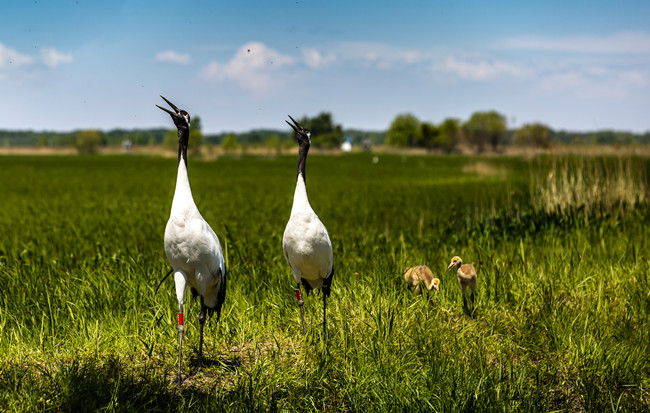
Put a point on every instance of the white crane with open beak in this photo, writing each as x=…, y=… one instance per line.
x=306, y=243
x=191, y=246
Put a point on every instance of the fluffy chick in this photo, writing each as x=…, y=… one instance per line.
x=466, y=277
x=421, y=274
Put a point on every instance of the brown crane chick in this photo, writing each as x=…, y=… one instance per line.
x=466, y=277
x=421, y=274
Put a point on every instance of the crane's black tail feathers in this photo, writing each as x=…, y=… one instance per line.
x=327, y=283
x=305, y=284
x=221, y=294
x=163, y=280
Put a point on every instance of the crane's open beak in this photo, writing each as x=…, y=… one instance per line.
x=293, y=127
x=178, y=111
x=451, y=265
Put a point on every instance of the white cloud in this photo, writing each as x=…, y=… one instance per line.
x=584, y=78
x=633, y=78
x=252, y=67
x=595, y=67
x=365, y=54
x=380, y=55
x=170, y=56
x=257, y=67
x=595, y=84
x=316, y=60
x=617, y=43
x=481, y=69
x=53, y=58
x=11, y=58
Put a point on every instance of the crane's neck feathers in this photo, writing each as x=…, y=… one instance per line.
x=300, y=199
x=302, y=160
x=183, y=141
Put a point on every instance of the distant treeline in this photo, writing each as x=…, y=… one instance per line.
x=601, y=137
x=56, y=139
x=260, y=136
x=157, y=136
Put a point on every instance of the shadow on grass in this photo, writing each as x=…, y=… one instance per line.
x=471, y=312
x=230, y=364
x=108, y=384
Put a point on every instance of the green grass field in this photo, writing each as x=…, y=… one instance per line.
x=560, y=323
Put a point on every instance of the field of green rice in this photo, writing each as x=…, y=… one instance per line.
x=560, y=322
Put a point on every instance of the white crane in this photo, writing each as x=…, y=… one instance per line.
x=306, y=243
x=191, y=246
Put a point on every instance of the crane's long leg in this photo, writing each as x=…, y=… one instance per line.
x=180, y=281
x=473, y=306
x=202, y=315
x=301, y=304
x=324, y=318
x=179, y=378
x=201, y=323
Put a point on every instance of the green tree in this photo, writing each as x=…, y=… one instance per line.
x=405, y=130
x=485, y=128
x=170, y=141
x=42, y=140
x=429, y=135
x=229, y=143
x=196, y=134
x=88, y=141
x=274, y=144
x=449, y=135
x=533, y=134
x=324, y=132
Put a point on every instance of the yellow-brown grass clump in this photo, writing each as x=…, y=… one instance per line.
x=593, y=185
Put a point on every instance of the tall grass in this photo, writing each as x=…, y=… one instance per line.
x=560, y=321
x=594, y=184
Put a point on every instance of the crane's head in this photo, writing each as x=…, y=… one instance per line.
x=303, y=136
x=455, y=262
x=435, y=284
x=181, y=118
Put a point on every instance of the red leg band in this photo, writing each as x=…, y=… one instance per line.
x=298, y=295
x=180, y=319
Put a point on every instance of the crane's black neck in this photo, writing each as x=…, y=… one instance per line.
x=183, y=140
x=302, y=159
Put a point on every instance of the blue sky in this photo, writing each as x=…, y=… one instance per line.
x=241, y=65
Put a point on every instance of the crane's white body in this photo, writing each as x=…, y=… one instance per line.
x=306, y=243
x=191, y=246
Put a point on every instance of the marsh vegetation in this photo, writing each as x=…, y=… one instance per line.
x=560, y=246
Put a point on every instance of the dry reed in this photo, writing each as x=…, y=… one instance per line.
x=594, y=185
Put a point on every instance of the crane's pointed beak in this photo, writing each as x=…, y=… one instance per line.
x=296, y=123
x=166, y=110
x=176, y=110
x=451, y=265
x=293, y=127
